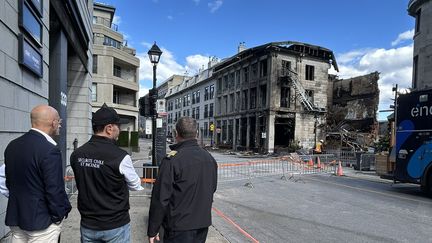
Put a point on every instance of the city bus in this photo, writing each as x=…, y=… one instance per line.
x=414, y=139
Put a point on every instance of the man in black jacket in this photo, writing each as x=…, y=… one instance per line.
x=104, y=174
x=34, y=176
x=182, y=196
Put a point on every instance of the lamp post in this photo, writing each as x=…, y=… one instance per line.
x=154, y=56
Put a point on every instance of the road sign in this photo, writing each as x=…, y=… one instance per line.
x=212, y=127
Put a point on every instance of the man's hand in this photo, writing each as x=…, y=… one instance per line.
x=152, y=239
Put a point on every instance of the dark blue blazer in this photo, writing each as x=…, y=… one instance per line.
x=34, y=177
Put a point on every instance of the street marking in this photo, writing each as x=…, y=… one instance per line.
x=372, y=191
x=235, y=225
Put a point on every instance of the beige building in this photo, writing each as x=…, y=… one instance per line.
x=115, y=68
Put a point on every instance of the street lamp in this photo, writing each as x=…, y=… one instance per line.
x=154, y=56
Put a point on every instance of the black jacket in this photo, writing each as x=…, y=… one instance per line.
x=183, y=192
x=103, y=195
x=34, y=177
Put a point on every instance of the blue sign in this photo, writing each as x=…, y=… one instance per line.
x=31, y=23
x=30, y=57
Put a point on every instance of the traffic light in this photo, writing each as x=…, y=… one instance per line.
x=152, y=101
x=144, y=104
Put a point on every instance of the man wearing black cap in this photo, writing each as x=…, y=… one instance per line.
x=104, y=175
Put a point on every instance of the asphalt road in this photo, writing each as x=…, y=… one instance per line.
x=323, y=208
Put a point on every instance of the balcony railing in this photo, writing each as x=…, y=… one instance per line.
x=105, y=22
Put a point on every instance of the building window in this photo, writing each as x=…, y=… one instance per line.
x=310, y=95
x=193, y=97
x=94, y=92
x=263, y=68
x=253, y=98
x=285, y=97
x=184, y=100
x=206, y=93
x=231, y=102
x=225, y=83
x=193, y=112
x=205, y=111
x=117, y=71
x=211, y=110
x=415, y=72
x=245, y=75
x=116, y=97
x=212, y=91
x=95, y=63
x=254, y=70
x=286, y=67
x=237, y=105
x=225, y=104
x=219, y=83
x=206, y=128
x=310, y=72
x=197, y=113
x=231, y=81
x=417, y=21
x=263, y=95
x=237, y=78
x=197, y=98
x=244, y=100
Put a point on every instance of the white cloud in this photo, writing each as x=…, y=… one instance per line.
x=117, y=20
x=394, y=66
x=167, y=66
x=214, y=6
x=402, y=37
x=143, y=91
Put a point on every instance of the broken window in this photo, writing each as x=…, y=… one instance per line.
x=263, y=95
x=231, y=81
x=310, y=95
x=231, y=102
x=237, y=106
x=253, y=98
x=244, y=100
x=225, y=104
x=225, y=82
x=254, y=70
x=245, y=74
x=263, y=68
x=286, y=66
x=285, y=97
x=310, y=72
x=219, y=85
x=237, y=78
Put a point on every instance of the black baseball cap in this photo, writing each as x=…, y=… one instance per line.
x=107, y=115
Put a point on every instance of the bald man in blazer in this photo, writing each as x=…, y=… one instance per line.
x=37, y=201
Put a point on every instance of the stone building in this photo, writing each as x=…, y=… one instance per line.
x=272, y=96
x=194, y=97
x=115, y=68
x=45, y=58
x=421, y=10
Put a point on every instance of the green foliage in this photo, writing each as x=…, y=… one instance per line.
x=383, y=144
x=123, y=139
x=134, y=139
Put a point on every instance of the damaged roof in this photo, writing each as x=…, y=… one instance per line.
x=294, y=47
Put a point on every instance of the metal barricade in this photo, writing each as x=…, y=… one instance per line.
x=367, y=161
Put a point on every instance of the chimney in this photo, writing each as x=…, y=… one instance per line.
x=241, y=47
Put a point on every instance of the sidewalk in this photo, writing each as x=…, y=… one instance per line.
x=139, y=207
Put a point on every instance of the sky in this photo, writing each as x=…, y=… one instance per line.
x=365, y=35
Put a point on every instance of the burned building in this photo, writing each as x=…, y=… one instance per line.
x=353, y=110
x=272, y=96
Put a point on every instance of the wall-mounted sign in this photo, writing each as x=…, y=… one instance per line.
x=30, y=57
x=38, y=6
x=30, y=22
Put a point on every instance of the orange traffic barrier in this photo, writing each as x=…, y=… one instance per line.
x=147, y=180
x=339, y=171
x=310, y=163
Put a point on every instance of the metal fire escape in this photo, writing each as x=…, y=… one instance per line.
x=300, y=92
